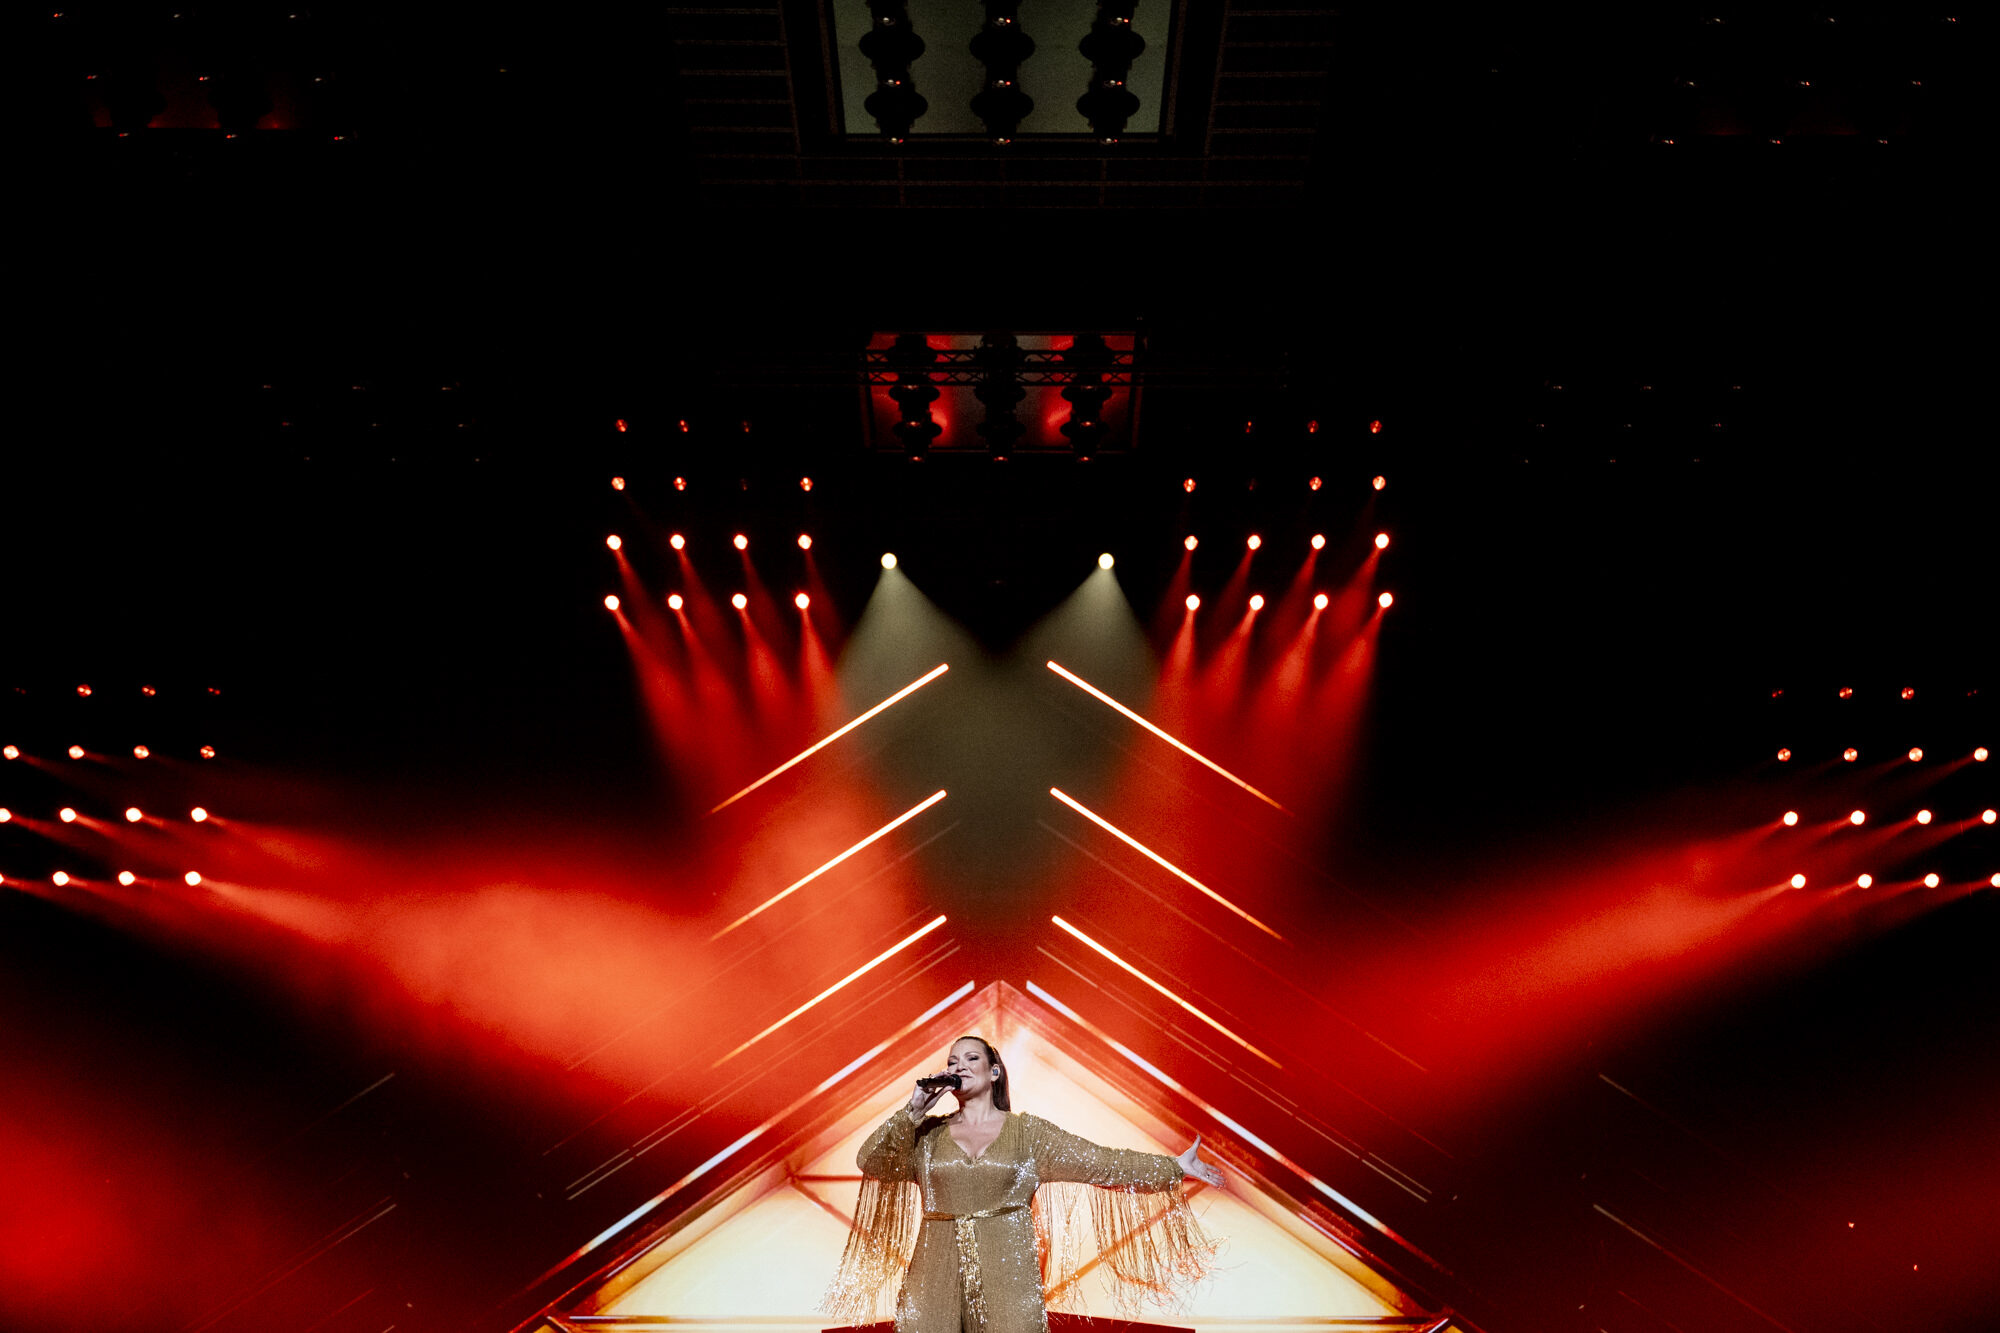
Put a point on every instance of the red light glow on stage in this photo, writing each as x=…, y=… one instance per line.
x=851, y=977
x=833, y=736
x=1178, y=744
x=1120, y=962
x=1156, y=858
x=822, y=868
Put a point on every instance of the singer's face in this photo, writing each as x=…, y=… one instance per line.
x=968, y=1061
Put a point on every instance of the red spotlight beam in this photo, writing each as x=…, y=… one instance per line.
x=1163, y=990
x=1184, y=748
x=853, y=976
x=1157, y=859
x=831, y=737
x=814, y=874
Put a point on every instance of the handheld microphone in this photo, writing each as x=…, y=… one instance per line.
x=940, y=1083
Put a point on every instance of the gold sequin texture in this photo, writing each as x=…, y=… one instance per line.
x=990, y=1244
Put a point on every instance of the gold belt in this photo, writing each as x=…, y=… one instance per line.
x=968, y=1256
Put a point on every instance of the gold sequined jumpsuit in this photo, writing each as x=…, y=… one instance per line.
x=976, y=1266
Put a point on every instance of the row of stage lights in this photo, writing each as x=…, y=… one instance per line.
x=1915, y=754
x=1187, y=483
x=1867, y=881
x=133, y=814
x=63, y=879
x=1860, y=817
x=1105, y=561
x=78, y=752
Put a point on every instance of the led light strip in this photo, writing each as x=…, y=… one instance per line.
x=1156, y=858
x=1182, y=746
x=808, y=878
x=1164, y=991
x=855, y=975
x=831, y=737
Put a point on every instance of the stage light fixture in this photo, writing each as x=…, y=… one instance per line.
x=681, y=483
x=1858, y=818
x=60, y=878
x=1791, y=818
x=1254, y=542
x=1374, y=428
x=805, y=483
x=1784, y=756
x=1386, y=600
x=611, y=601
x=1380, y=482
x=1987, y=816
x=1189, y=543
x=1909, y=693
x=208, y=752
x=1104, y=561
x=1256, y=601
x=1381, y=541
x=1850, y=754
x=1995, y=880
x=888, y=559
x=1798, y=881
x=678, y=542
x=1864, y=881
x=127, y=878
x=618, y=483
x=66, y=815
x=1924, y=816
x=1315, y=483
x=5, y=814
x=622, y=427
x=148, y=691
x=1320, y=601
x=614, y=542
x=674, y=601
x=805, y=542
x=1193, y=602
x=1187, y=484
x=802, y=601
x=133, y=814
x=1980, y=754
x=739, y=601
x=1916, y=753
x=740, y=542
x=1931, y=880
x=1847, y=691
x=12, y=752
x=76, y=752
x=140, y=752
x=1319, y=541
x=192, y=879
x=83, y=691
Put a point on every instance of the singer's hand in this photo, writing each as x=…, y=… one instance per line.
x=1193, y=1165
x=921, y=1099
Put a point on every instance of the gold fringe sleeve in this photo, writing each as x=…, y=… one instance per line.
x=886, y=1216
x=1118, y=1213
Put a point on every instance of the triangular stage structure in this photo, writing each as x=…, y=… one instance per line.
x=755, y=1253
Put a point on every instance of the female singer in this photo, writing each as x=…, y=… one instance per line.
x=965, y=1185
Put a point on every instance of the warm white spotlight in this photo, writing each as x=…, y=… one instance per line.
x=140, y=752
x=1858, y=818
x=66, y=815
x=1988, y=816
x=888, y=559
x=611, y=602
x=1980, y=754
x=615, y=542
x=1798, y=881
x=1386, y=600
x=1784, y=756
x=127, y=878
x=1254, y=542
x=1923, y=816
x=1319, y=541
x=1916, y=753
x=60, y=878
x=1931, y=880
x=133, y=814
x=1319, y=601
x=740, y=542
x=678, y=542
x=12, y=752
x=192, y=879
x=1189, y=542
x=1864, y=881
x=739, y=601
x=675, y=602
x=208, y=752
x=618, y=483
x=802, y=601
x=1380, y=482
x=1850, y=754
x=1256, y=601
x=1791, y=818
x=1381, y=541
x=76, y=752
x=1193, y=602
x=198, y=815
x=5, y=814
x=805, y=542
x=1104, y=561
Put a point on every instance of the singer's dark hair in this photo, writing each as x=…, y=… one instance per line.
x=1000, y=1082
